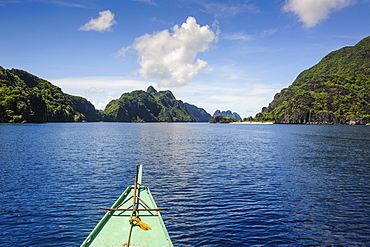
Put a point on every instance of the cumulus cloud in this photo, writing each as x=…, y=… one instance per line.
x=311, y=12
x=170, y=56
x=103, y=23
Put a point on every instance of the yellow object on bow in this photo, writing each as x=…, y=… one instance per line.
x=141, y=224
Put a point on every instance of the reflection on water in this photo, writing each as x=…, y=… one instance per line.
x=222, y=185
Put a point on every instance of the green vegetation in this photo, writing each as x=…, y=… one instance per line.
x=137, y=106
x=227, y=113
x=334, y=91
x=27, y=98
x=254, y=120
x=199, y=114
x=149, y=106
x=222, y=119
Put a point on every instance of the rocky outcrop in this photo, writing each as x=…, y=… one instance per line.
x=320, y=118
x=227, y=113
x=151, y=89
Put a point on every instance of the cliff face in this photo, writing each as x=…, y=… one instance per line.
x=27, y=98
x=334, y=91
x=199, y=114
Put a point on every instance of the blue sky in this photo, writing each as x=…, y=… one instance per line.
x=228, y=55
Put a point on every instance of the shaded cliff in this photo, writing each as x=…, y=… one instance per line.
x=199, y=114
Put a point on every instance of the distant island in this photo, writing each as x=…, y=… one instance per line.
x=152, y=106
x=227, y=113
x=334, y=91
x=225, y=117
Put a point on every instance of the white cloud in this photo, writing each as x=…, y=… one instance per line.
x=238, y=36
x=100, y=105
x=93, y=90
x=101, y=24
x=53, y=2
x=241, y=36
x=151, y=2
x=227, y=8
x=269, y=32
x=66, y=4
x=122, y=52
x=311, y=12
x=170, y=56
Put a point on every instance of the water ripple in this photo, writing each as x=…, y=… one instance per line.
x=222, y=185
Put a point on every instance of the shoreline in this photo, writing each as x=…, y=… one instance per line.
x=248, y=122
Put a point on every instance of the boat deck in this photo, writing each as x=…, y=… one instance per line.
x=114, y=228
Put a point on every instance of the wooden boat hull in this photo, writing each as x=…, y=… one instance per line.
x=115, y=229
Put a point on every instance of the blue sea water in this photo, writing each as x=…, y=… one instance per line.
x=222, y=184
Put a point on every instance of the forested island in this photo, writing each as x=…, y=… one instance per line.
x=152, y=106
x=27, y=98
x=334, y=91
x=225, y=117
x=228, y=114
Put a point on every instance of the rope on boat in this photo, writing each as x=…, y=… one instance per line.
x=130, y=209
x=135, y=211
x=133, y=206
x=141, y=224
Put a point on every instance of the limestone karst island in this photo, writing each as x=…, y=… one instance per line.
x=334, y=91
